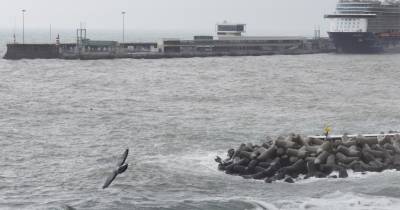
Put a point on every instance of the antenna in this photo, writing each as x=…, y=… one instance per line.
x=50, y=33
x=317, y=32
x=14, y=29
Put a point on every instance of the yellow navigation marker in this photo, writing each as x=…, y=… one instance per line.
x=327, y=130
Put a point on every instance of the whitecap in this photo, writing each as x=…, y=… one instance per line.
x=343, y=201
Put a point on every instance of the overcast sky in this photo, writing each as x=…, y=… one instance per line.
x=263, y=17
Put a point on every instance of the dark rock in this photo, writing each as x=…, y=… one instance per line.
x=286, y=159
x=289, y=180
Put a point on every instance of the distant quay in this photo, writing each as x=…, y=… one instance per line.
x=31, y=51
x=229, y=42
x=167, y=49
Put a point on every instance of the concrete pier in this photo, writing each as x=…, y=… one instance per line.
x=32, y=51
x=229, y=42
x=200, y=46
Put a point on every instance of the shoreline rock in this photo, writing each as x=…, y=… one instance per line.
x=288, y=158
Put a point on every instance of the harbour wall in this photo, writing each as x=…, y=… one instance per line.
x=31, y=51
x=90, y=50
x=189, y=55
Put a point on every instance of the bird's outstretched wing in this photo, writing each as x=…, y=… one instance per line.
x=110, y=179
x=122, y=159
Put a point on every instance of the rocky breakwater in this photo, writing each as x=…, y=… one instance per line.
x=295, y=156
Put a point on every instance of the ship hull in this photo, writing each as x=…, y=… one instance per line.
x=356, y=42
x=364, y=42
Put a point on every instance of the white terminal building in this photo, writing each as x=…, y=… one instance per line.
x=230, y=39
x=226, y=29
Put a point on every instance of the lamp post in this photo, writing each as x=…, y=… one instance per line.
x=123, y=26
x=23, y=26
x=50, y=33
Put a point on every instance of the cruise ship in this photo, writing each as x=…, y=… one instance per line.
x=365, y=26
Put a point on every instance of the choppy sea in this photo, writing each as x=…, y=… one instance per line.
x=63, y=124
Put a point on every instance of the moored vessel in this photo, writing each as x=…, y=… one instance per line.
x=365, y=26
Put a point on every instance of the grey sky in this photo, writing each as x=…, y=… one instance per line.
x=268, y=17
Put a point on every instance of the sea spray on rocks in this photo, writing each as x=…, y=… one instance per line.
x=288, y=158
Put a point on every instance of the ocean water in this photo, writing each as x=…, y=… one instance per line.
x=63, y=124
